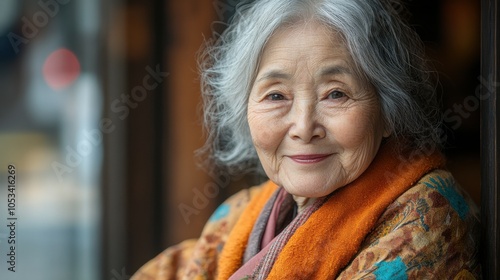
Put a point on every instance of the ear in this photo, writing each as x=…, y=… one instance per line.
x=387, y=130
x=387, y=133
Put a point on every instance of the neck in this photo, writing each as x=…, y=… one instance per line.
x=303, y=202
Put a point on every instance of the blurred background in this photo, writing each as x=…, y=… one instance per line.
x=99, y=113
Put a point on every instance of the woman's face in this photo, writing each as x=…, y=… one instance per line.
x=315, y=124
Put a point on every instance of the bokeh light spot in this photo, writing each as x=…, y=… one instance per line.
x=61, y=69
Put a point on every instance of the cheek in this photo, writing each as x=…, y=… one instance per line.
x=359, y=129
x=263, y=132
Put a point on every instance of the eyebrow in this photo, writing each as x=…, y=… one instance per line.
x=335, y=70
x=274, y=74
x=329, y=71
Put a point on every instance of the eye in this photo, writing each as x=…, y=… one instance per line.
x=336, y=94
x=275, y=96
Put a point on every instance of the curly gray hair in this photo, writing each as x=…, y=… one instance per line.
x=386, y=50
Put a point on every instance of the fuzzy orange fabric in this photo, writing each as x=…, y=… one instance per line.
x=231, y=256
x=331, y=237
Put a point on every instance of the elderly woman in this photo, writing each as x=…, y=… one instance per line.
x=332, y=98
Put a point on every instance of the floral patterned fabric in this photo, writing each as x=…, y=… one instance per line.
x=429, y=232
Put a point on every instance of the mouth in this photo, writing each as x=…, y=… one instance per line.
x=309, y=159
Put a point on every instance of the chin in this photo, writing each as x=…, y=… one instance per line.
x=311, y=188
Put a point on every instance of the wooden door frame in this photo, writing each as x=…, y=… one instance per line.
x=489, y=146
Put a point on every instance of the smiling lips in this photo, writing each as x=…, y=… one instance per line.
x=309, y=159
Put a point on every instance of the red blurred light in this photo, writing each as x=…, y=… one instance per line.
x=61, y=69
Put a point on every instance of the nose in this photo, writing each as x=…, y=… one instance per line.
x=306, y=123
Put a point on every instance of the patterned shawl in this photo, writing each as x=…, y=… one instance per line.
x=351, y=213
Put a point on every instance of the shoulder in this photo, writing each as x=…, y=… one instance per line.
x=207, y=249
x=223, y=219
x=432, y=230
x=435, y=196
x=231, y=209
x=168, y=264
x=199, y=257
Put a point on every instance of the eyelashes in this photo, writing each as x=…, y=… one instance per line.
x=336, y=94
x=332, y=95
x=275, y=96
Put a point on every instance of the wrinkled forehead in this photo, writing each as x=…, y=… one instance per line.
x=301, y=40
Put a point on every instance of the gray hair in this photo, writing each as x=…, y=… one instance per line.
x=386, y=50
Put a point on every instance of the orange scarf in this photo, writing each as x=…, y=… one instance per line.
x=331, y=237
